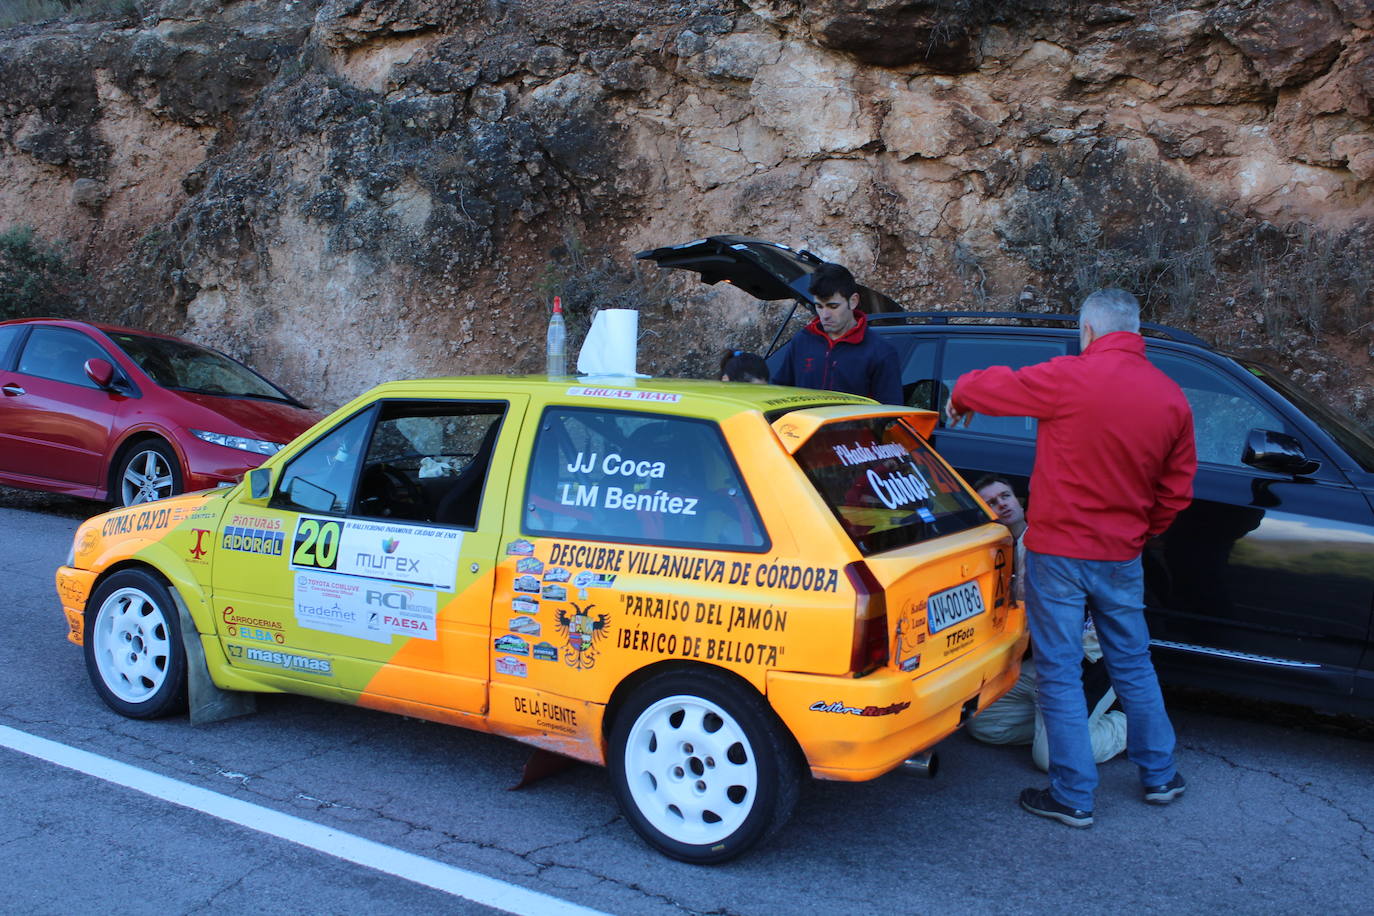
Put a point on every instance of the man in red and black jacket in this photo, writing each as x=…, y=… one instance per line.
x=1114, y=465
x=835, y=352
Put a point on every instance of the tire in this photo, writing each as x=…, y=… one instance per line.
x=149, y=471
x=701, y=767
x=133, y=647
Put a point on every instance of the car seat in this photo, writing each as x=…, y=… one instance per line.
x=459, y=505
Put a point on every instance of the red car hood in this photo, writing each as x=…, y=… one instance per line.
x=273, y=421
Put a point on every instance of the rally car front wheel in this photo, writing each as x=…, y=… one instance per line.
x=701, y=767
x=133, y=646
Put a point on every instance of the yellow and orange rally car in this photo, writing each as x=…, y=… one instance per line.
x=711, y=588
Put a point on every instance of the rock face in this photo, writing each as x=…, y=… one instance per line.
x=352, y=190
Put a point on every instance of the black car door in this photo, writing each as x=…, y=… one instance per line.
x=1266, y=577
x=988, y=445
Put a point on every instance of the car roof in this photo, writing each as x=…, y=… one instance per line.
x=1028, y=322
x=82, y=324
x=687, y=397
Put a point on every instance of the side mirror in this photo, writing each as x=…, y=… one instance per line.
x=260, y=483
x=100, y=372
x=1278, y=453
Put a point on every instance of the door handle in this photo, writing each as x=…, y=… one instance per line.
x=12, y=390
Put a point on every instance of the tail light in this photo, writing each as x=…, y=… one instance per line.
x=870, y=646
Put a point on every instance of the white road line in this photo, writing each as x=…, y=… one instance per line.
x=469, y=885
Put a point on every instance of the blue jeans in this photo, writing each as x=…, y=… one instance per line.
x=1057, y=591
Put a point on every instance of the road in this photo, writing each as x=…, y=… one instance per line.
x=1277, y=818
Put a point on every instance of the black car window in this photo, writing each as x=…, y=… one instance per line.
x=1359, y=444
x=60, y=354
x=428, y=461
x=184, y=366
x=1223, y=411
x=320, y=479
x=919, y=385
x=9, y=334
x=966, y=354
x=641, y=478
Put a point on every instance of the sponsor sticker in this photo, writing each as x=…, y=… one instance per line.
x=512, y=644
x=515, y=667
x=363, y=608
x=527, y=625
x=526, y=584
x=866, y=711
x=524, y=606
x=520, y=548
x=624, y=394
x=252, y=540
x=557, y=574
x=286, y=661
x=377, y=550
x=555, y=592
x=545, y=651
x=532, y=565
x=136, y=521
x=197, y=551
x=589, y=579
x=582, y=631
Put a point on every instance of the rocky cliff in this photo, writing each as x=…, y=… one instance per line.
x=351, y=190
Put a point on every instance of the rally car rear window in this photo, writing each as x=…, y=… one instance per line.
x=885, y=485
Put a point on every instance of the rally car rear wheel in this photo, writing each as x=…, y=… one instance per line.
x=701, y=767
x=133, y=646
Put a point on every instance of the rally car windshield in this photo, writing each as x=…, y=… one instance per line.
x=884, y=484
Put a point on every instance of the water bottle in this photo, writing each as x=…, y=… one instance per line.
x=557, y=347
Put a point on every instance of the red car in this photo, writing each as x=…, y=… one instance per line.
x=130, y=416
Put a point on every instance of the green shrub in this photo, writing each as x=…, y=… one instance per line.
x=35, y=278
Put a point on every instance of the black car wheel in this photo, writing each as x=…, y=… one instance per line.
x=701, y=766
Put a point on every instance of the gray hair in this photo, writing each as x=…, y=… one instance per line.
x=1109, y=310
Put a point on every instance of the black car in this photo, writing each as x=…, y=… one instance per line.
x=1264, y=586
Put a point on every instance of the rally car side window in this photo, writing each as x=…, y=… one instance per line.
x=320, y=479
x=427, y=461
x=640, y=478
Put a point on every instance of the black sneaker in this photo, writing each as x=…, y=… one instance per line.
x=1043, y=803
x=1162, y=795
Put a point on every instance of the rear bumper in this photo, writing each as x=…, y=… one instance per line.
x=853, y=729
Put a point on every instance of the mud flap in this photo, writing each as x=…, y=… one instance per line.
x=208, y=702
x=541, y=764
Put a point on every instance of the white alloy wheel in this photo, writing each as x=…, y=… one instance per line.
x=133, y=645
x=691, y=770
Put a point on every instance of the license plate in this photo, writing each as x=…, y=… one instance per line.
x=953, y=605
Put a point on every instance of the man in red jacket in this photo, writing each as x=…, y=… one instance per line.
x=1114, y=465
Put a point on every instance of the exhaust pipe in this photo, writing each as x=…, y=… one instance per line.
x=925, y=764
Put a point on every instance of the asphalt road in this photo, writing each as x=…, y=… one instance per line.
x=1278, y=818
